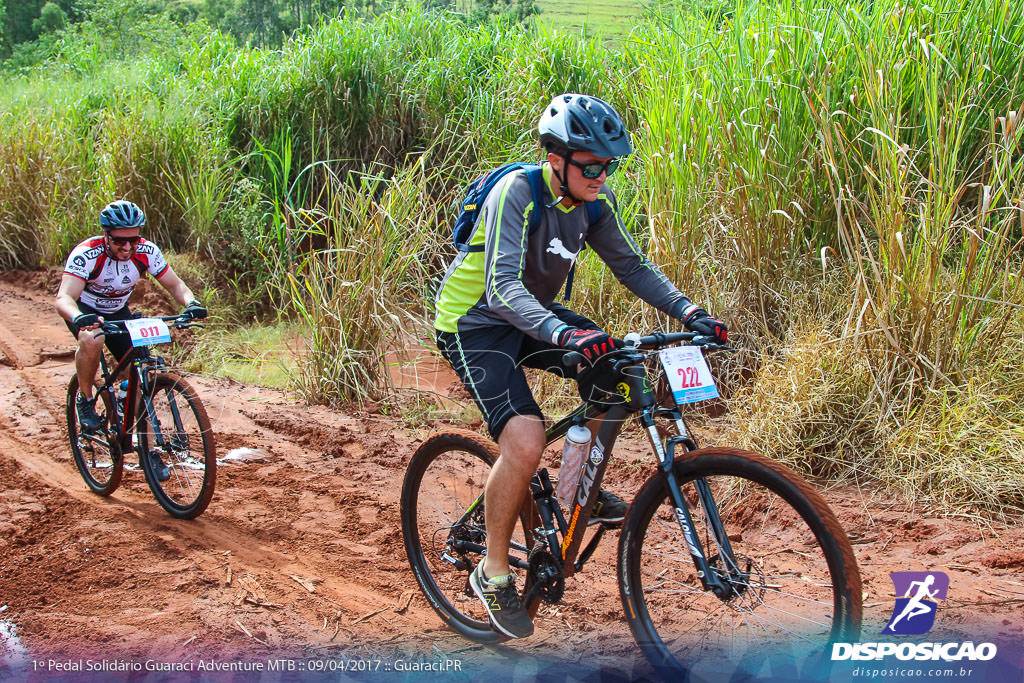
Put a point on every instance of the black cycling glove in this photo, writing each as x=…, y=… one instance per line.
x=83, y=320
x=697, y=320
x=195, y=309
x=591, y=343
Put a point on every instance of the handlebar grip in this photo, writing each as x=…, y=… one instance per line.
x=572, y=359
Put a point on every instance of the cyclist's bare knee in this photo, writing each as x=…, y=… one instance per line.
x=523, y=440
x=90, y=344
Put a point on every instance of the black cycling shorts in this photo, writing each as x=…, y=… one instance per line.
x=490, y=363
x=117, y=344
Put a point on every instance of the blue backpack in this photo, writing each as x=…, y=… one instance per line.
x=477, y=191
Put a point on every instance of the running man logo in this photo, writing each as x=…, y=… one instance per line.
x=914, y=613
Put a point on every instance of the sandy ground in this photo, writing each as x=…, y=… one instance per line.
x=300, y=553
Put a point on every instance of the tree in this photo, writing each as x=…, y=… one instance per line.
x=18, y=17
x=51, y=19
x=259, y=20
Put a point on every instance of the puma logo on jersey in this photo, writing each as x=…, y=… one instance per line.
x=556, y=247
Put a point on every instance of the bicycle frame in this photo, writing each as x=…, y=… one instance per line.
x=144, y=366
x=641, y=401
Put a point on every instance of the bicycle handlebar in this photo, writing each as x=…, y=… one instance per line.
x=653, y=341
x=180, y=321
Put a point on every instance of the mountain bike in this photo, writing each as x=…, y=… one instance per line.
x=158, y=415
x=723, y=552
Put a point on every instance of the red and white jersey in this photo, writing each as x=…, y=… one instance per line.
x=109, y=282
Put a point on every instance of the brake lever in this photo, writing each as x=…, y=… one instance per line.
x=706, y=342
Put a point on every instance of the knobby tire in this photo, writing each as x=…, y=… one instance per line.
x=189, y=451
x=445, y=476
x=795, y=579
x=101, y=466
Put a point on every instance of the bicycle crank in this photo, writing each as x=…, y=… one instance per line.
x=545, y=578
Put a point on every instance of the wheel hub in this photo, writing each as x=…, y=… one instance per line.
x=738, y=577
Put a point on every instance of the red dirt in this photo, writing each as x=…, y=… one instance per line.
x=85, y=576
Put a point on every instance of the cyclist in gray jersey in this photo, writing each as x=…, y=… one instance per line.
x=496, y=313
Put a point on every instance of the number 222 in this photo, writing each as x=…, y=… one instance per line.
x=690, y=377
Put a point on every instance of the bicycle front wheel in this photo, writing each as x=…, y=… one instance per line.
x=443, y=526
x=174, y=428
x=792, y=583
x=97, y=455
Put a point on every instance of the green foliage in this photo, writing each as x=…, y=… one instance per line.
x=777, y=144
x=51, y=19
x=515, y=11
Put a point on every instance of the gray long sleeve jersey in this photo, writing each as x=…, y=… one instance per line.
x=518, y=275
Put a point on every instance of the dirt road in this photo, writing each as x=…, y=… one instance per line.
x=301, y=550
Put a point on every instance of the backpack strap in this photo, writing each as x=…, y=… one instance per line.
x=593, y=216
x=536, y=177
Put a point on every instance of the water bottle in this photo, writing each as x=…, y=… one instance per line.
x=122, y=394
x=574, y=457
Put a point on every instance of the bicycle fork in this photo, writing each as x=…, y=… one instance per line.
x=711, y=579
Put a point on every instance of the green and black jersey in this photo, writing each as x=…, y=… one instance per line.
x=517, y=276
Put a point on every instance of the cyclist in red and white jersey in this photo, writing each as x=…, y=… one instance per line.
x=98, y=279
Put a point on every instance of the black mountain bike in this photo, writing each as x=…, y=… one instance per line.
x=723, y=552
x=160, y=418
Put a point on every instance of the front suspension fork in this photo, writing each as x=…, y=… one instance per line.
x=710, y=579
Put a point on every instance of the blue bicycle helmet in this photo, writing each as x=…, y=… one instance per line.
x=121, y=214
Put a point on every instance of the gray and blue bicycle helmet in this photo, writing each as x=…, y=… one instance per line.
x=581, y=123
x=121, y=214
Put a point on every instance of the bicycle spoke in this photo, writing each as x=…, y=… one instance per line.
x=96, y=457
x=442, y=519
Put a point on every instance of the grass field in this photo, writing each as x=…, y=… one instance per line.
x=604, y=17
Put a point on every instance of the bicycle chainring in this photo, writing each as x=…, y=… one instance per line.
x=546, y=576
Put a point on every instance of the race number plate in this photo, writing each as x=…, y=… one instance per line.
x=147, y=331
x=688, y=374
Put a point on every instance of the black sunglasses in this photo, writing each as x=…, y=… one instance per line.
x=594, y=168
x=121, y=241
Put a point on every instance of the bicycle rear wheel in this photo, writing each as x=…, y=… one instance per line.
x=443, y=526
x=97, y=455
x=792, y=577
x=181, y=436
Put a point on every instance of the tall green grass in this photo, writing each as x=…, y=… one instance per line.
x=359, y=293
x=842, y=183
